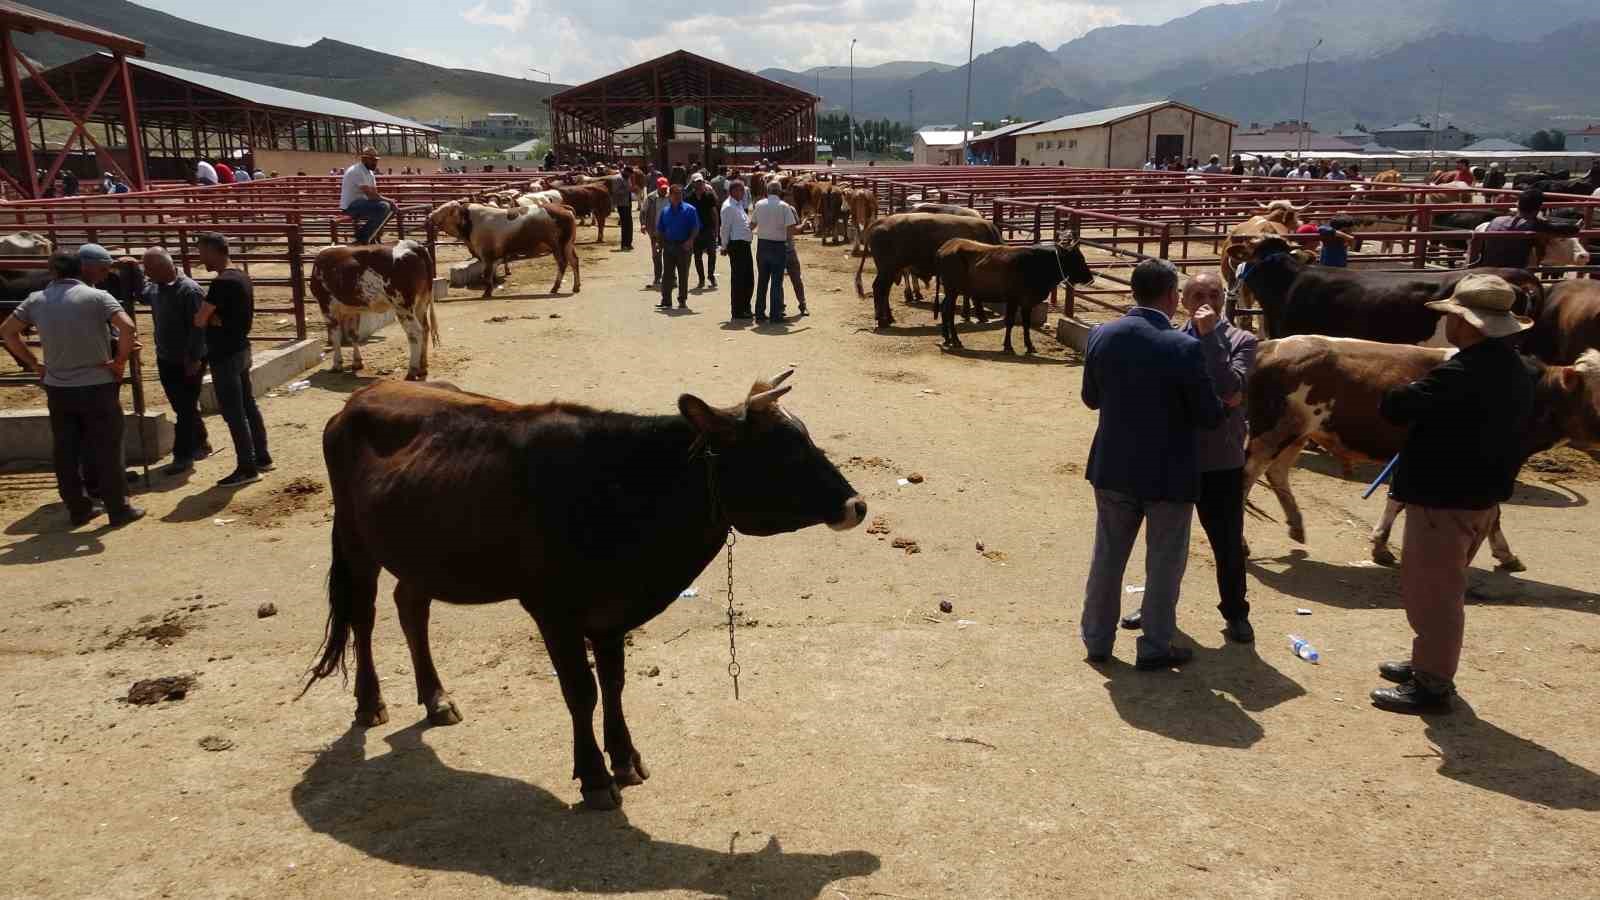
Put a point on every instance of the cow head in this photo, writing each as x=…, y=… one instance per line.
x=768, y=475
x=1284, y=212
x=451, y=218
x=125, y=281
x=1559, y=250
x=1567, y=404
x=1070, y=259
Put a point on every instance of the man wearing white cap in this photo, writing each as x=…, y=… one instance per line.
x=1465, y=422
x=360, y=200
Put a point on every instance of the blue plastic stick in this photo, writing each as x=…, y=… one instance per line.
x=1382, y=477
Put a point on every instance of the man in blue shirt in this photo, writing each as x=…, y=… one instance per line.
x=1336, y=241
x=676, y=227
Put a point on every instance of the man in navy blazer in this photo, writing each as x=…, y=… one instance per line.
x=1150, y=384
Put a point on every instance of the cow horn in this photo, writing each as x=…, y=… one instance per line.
x=780, y=378
x=1260, y=205
x=1302, y=207
x=767, y=399
x=767, y=384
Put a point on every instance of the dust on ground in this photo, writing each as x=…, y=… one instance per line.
x=882, y=746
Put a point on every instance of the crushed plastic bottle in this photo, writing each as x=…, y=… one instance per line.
x=1303, y=649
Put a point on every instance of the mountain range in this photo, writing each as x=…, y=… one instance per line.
x=1378, y=63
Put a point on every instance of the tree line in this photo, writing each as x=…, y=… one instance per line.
x=879, y=136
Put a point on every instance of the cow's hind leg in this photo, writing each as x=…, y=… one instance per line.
x=413, y=605
x=336, y=342
x=416, y=335
x=1025, y=315
x=1278, y=478
x=1011, y=312
x=627, y=767
x=363, y=587
x=1508, y=561
x=488, y=275
x=564, y=642
x=1381, y=554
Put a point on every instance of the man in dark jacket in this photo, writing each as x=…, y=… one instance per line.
x=1149, y=383
x=1513, y=253
x=1458, y=464
x=707, y=207
x=622, y=202
x=1220, y=505
x=226, y=315
x=174, y=300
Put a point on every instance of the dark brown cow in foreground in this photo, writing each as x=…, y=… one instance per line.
x=1312, y=388
x=493, y=235
x=349, y=281
x=592, y=200
x=908, y=243
x=595, y=521
x=1019, y=277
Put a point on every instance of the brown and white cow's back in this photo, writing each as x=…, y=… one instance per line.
x=351, y=280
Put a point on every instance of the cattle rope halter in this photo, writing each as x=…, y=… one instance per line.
x=732, y=539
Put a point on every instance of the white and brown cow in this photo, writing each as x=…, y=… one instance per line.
x=493, y=235
x=1313, y=388
x=350, y=280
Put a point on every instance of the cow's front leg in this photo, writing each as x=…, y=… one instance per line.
x=1011, y=309
x=488, y=276
x=1025, y=313
x=336, y=341
x=564, y=642
x=627, y=767
x=1381, y=554
x=1502, y=549
x=352, y=329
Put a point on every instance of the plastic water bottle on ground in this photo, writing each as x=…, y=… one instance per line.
x=1303, y=649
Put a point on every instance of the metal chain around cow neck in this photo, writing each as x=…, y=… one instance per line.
x=733, y=538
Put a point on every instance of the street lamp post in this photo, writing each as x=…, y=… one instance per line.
x=966, y=122
x=1305, y=91
x=851, y=125
x=1438, y=110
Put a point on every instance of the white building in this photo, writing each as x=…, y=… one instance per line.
x=1123, y=137
x=930, y=147
x=1587, y=139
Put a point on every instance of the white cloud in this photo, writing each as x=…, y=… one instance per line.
x=515, y=18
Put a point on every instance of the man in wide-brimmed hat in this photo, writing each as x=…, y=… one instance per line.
x=1459, y=463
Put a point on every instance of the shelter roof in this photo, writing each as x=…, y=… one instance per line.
x=26, y=19
x=1493, y=144
x=1111, y=116
x=1003, y=130
x=943, y=138
x=677, y=79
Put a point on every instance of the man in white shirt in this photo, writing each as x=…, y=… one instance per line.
x=775, y=227
x=734, y=238
x=360, y=200
x=204, y=172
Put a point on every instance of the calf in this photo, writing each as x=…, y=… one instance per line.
x=595, y=521
x=1298, y=298
x=863, y=212
x=1328, y=390
x=349, y=281
x=523, y=232
x=1021, y=277
x=909, y=243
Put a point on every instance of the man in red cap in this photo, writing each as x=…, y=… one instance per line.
x=649, y=212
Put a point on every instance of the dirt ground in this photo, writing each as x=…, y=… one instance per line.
x=881, y=748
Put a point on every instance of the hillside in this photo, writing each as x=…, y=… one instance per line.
x=328, y=67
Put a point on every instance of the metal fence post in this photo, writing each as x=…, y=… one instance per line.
x=297, y=280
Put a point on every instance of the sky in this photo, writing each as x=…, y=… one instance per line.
x=576, y=40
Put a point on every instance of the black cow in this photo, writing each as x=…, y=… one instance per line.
x=593, y=520
x=1460, y=221
x=1300, y=298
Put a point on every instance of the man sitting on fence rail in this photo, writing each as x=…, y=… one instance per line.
x=360, y=200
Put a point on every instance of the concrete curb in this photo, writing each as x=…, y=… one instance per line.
x=25, y=436
x=270, y=369
x=1073, y=333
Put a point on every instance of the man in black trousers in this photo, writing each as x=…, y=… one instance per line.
x=227, y=314
x=174, y=300
x=1220, y=506
x=735, y=237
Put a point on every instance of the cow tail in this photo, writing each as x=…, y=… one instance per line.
x=433, y=319
x=341, y=606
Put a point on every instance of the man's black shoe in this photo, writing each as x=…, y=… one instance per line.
x=1133, y=621
x=89, y=515
x=179, y=467
x=240, y=477
x=127, y=516
x=1098, y=658
x=265, y=465
x=1398, y=672
x=1174, y=657
x=1411, y=697
x=1239, y=631
x=682, y=305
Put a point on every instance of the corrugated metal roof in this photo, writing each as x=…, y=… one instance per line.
x=524, y=147
x=1003, y=130
x=941, y=138
x=1493, y=144
x=279, y=98
x=1404, y=126
x=1098, y=117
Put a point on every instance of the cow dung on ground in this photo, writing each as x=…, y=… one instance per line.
x=158, y=690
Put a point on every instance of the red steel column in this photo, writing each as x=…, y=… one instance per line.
x=130, y=125
x=19, y=117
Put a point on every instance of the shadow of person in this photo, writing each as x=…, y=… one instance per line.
x=1485, y=756
x=1194, y=705
x=47, y=518
x=56, y=545
x=345, y=382
x=1365, y=586
x=201, y=506
x=409, y=808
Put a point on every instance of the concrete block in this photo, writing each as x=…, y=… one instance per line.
x=467, y=274
x=25, y=436
x=271, y=368
x=1039, y=316
x=441, y=288
x=1073, y=333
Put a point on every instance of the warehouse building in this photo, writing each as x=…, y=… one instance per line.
x=1123, y=137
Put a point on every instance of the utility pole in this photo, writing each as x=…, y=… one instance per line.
x=966, y=121
x=1438, y=110
x=911, y=111
x=852, y=123
x=1305, y=91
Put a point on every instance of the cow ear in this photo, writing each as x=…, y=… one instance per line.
x=1571, y=379
x=709, y=421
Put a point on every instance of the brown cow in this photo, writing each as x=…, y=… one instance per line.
x=1567, y=324
x=494, y=234
x=349, y=281
x=1020, y=277
x=863, y=212
x=1310, y=387
x=472, y=500
x=592, y=200
x=909, y=243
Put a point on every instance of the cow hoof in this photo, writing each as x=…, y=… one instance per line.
x=1383, y=556
x=606, y=798
x=630, y=777
x=1511, y=565
x=1297, y=533
x=444, y=713
x=367, y=718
